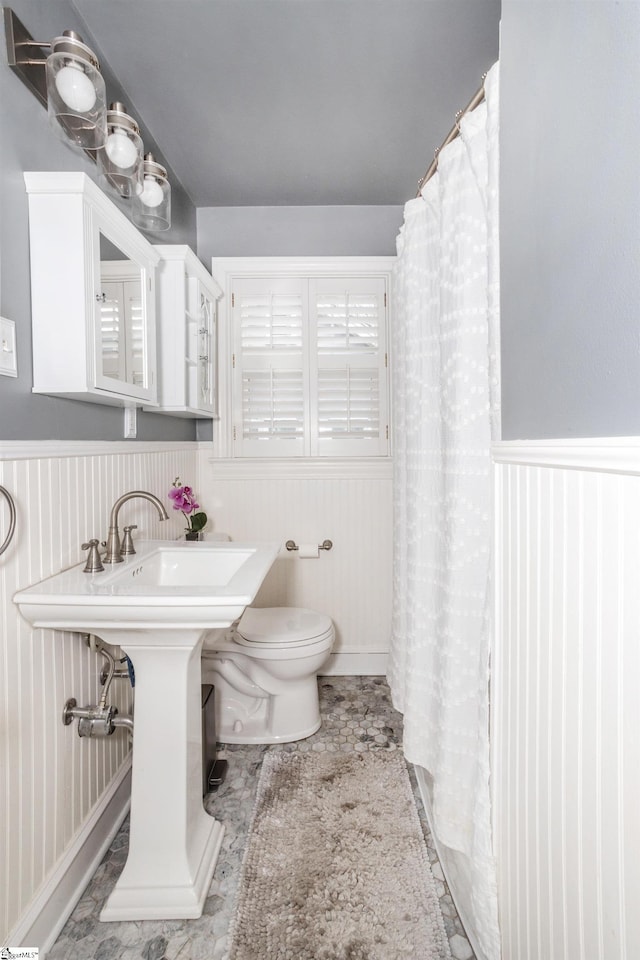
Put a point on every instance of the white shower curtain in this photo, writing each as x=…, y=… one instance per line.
x=445, y=400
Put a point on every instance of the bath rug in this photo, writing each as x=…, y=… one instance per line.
x=336, y=866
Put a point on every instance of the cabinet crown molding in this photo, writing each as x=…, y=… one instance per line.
x=69, y=183
x=184, y=254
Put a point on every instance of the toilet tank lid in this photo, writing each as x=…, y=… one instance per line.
x=282, y=624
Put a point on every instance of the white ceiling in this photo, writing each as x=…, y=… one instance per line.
x=270, y=102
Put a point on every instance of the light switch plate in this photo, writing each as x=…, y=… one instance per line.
x=130, y=423
x=8, y=357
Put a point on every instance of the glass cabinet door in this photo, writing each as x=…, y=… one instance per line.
x=122, y=332
x=122, y=328
x=202, y=349
x=187, y=329
x=205, y=343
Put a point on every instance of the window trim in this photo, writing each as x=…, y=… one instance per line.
x=225, y=270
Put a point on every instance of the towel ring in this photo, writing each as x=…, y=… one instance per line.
x=12, y=519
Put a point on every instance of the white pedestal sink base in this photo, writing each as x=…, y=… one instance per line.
x=157, y=605
x=133, y=902
x=173, y=843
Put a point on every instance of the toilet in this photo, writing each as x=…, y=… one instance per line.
x=264, y=671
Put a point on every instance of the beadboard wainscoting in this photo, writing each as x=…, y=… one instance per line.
x=62, y=797
x=566, y=699
x=311, y=501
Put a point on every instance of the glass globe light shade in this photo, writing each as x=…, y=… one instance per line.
x=76, y=95
x=120, y=162
x=75, y=88
x=120, y=149
x=151, y=195
x=152, y=201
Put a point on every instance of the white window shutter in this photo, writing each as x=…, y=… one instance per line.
x=348, y=320
x=270, y=375
x=272, y=404
x=348, y=404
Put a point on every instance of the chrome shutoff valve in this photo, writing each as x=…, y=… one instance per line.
x=93, y=721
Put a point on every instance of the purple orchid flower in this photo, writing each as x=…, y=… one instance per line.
x=183, y=499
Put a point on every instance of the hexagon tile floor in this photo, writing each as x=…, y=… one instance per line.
x=356, y=715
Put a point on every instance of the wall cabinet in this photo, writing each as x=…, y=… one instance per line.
x=92, y=295
x=187, y=331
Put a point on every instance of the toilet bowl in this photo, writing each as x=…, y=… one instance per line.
x=265, y=674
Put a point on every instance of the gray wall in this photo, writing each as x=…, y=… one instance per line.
x=339, y=231
x=570, y=218
x=27, y=143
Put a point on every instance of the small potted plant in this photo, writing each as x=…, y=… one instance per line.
x=183, y=499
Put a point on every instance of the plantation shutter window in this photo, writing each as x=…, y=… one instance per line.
x=309, y=367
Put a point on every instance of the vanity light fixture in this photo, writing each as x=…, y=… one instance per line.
x=67, y=81
x=152, y=206
x=120, y=162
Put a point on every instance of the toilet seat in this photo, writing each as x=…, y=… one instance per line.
x=278, y=627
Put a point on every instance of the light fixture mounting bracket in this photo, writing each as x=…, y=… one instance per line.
x=19, y=41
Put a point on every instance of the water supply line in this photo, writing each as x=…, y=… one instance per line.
x=107, y=683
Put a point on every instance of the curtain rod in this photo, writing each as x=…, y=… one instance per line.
x=476, y=99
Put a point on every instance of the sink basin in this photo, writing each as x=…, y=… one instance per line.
x=183, y=566
x=165, y=584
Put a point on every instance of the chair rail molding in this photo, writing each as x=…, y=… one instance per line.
x=45, y=449
x=608, y=454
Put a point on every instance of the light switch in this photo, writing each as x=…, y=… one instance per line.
x=8, y=357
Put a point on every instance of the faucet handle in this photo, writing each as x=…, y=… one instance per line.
x=128, y=548
x=94, y=563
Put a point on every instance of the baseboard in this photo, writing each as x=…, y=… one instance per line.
x=50, y=909
x=356, y=665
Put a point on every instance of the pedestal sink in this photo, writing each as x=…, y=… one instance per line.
x=157, y=606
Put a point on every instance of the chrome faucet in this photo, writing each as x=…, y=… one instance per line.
x=114, y=554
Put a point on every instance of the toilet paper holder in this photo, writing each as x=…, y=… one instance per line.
x=325, y=545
